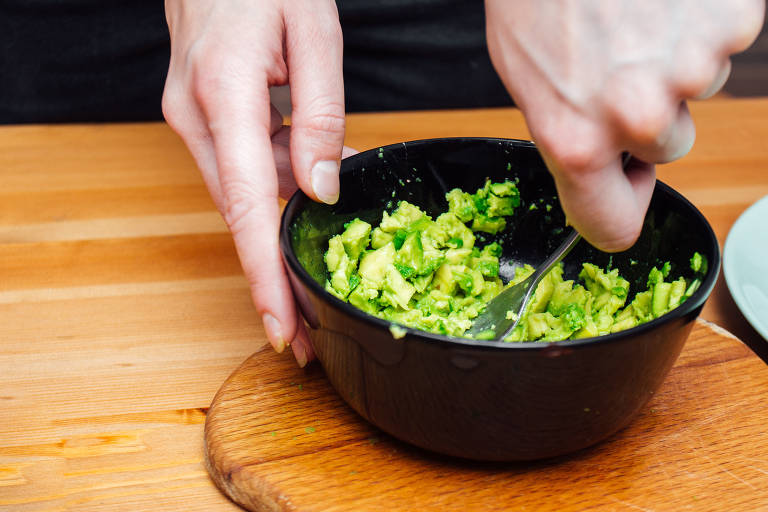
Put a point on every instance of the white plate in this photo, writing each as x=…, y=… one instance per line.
x=745, y=264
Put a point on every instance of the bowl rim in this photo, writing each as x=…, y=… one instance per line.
x=294, y=206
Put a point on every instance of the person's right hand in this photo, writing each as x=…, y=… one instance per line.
x=595, y=78
x=225, y=54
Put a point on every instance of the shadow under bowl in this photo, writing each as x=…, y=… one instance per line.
x=489, y=400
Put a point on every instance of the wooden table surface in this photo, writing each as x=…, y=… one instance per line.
x=123, y=307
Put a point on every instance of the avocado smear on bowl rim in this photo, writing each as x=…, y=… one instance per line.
x=429, y=274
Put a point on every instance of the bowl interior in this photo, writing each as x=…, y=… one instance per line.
x=421, y=172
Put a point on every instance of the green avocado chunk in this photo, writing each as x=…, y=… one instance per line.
x=356, y=237
x=430, y=274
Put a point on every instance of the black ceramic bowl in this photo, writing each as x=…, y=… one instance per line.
x=490, y=400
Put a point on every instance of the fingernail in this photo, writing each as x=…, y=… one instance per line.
x=325, y=181
x=274, y=332
x=300, y=353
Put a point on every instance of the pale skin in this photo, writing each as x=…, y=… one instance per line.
x=592, y=78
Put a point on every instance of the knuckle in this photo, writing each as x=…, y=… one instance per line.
x=213, y=72
x=325, y=119
x=207, y=83
x=263, y=292
x=573, y=156
x=244, y=206
x=694, y=84
x=647, y=124
x=639, y=105
x=696, y=71
x=181, y=115
x=571, y=142
x=216, y=76
x=172, y=105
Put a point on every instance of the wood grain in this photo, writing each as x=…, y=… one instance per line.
x=123, y=307
x=279, y=439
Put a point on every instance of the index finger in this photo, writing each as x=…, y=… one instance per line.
x=239, y=122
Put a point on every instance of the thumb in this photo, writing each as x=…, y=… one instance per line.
x=314, y=55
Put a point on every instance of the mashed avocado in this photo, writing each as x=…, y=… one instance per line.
x=428, y=274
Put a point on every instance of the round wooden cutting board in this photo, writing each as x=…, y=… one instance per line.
x=278, y=438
